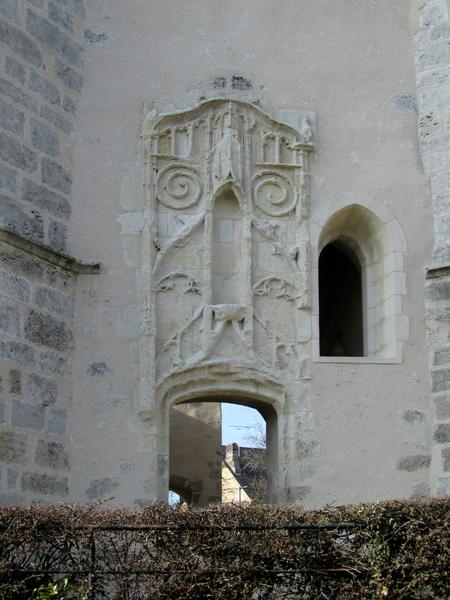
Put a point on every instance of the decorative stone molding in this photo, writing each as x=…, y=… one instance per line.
x=47, y=254
x=225, y=260
x=226, y=199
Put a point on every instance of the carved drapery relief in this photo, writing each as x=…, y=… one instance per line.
x=225, y=243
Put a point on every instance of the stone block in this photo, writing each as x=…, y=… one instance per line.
x=10, y=10
x=413, y=416
x=69, y=105
x=57, y=236
x=27, y=416
x=51, y=454
x=16, y=154
x=78, y=8
x=420, y=489
x=440, y=380
x=434, y=99
x=442, y=228
x=54, y=301
x=298, y=493
x=414, y=462
x=20, y=263
x=443, y=486
x=441, y=255
x=14, y=218
x=20, y=43
x=55, y=175
x=11, y=499
x=17, y=95
x=48, y=485
x=50, y=35
x=8, y=178
x=48, y=331
x=15, y=69
x=100, y=487
x=434, y=161
x=44, y=138
x=69, y=76
x=404, y=103
x=11, y=478
x=61, y=17
x=10, y=317
x=44, y=88
x=442, y=357
x=432, y=13
x=11, y=119
x=446, y=459
x=57, y=423
x=42, y=197
x=433, y=78
x=440, y=181
x=17, y=352
x=442, y=408
x=53, y=364
x=56, y=119
x=433, y=54
x=15, y=287
x=2, y=410
x=97, y=369
x=13, y=447
x=439, y=315
x=41, y=390
x=59, y=278
x=96, y=36
x=441, y=433
x=15, y=382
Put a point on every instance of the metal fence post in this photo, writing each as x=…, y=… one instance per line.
x=92, y=591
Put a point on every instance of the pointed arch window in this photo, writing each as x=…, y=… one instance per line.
x=358, y=284
x=340, y=302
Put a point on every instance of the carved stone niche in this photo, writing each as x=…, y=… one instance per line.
x=225, y=246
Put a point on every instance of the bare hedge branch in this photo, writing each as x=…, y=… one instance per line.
x=393, y=549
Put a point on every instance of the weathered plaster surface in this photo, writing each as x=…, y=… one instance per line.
x=347, y=439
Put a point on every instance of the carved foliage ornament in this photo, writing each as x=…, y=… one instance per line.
x=227, y=198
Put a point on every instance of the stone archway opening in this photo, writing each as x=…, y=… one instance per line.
x=207, y=471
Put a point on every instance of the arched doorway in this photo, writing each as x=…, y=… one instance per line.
x=198, y=462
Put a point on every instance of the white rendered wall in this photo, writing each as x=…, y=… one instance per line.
x=359, y=430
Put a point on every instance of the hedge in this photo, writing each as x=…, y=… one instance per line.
x=397, y=549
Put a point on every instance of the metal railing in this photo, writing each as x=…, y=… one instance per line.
x=181, y=561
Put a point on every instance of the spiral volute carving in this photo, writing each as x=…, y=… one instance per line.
x=179, y=186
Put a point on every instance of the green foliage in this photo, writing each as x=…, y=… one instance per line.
x=53, y=590
x=62, y=589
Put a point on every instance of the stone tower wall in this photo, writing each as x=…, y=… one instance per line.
x=41, y=64
x=432, y=39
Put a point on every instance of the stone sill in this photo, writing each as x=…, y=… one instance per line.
x=362, y=360
x=435, y=272
x=48, y=254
